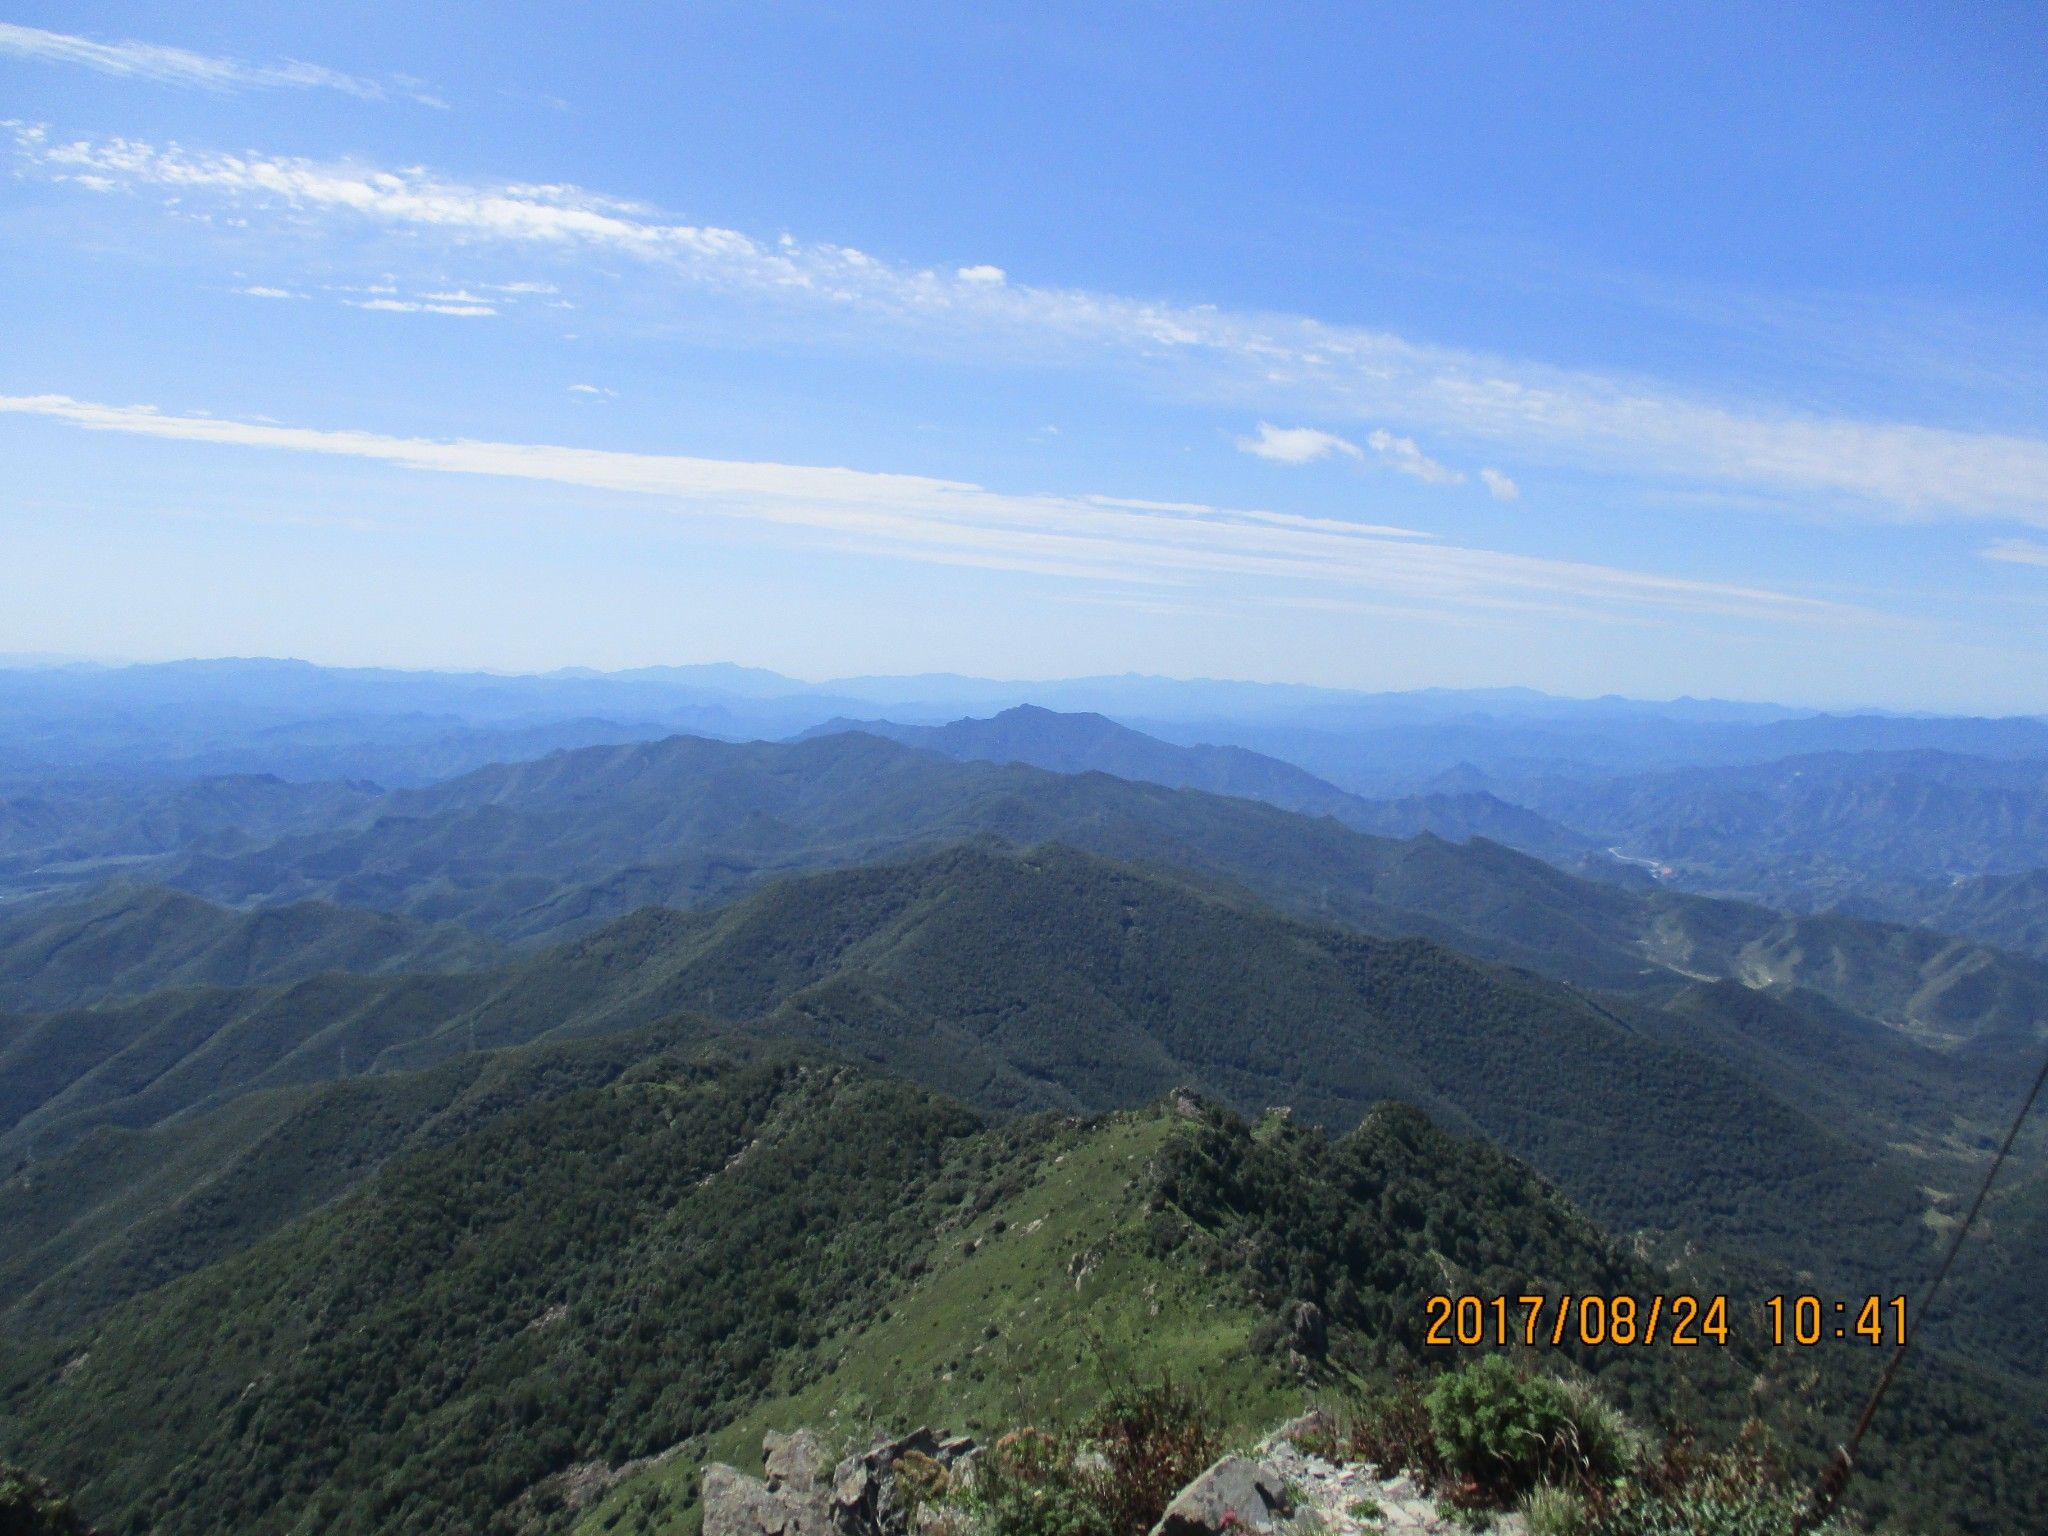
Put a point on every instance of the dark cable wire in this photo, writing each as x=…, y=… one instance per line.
x=1835, y=1477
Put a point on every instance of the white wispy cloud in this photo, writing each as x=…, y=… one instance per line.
x=1499, y=486
x=1305, y=445
x=262, y=291
x=166, y=65
x=422, y=307
x=2018, y=552
x=1578, y=418
x=956, y=522
x=1296, y=445
x=1403, y=454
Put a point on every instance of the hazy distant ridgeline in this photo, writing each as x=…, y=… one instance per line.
x=1092, y=743
x=1915, y=814
x=528, y=851
x=1889, y=835
x=1875, y=814
x=292, y=718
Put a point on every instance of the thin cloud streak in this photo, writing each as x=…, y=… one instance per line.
x=422, y=307
x=956, y=522
x=1586, y=420
x=2018, y=552
x=165, y=65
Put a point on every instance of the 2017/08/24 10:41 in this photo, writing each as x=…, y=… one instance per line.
x=1683, y=1321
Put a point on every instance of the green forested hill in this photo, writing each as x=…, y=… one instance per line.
x=695, y=1247
x=2009, y=911
x=1053, y=979
x=123, y=1212
x=1924, y=814
x=122, y=940
x=57, y=830
x=557, y=846
x=1091, y=743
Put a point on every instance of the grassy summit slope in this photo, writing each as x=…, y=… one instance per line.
x=634, y=1265
x=493, y=1330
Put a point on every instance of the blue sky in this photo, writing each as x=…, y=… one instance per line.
x=1647, y=349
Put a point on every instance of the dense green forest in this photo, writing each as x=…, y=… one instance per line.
x=668, y=1257
x=487, y=1154
x=544, y=849
x=1015, y=982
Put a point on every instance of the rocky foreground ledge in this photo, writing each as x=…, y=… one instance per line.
x=888, y=1490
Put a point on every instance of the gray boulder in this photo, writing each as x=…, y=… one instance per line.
x=738, y=1505
x=1237, y=1486
x=804, y=1494
x=796, y=1462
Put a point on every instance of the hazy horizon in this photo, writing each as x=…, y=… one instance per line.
x=824, y=682
x=1386, y=351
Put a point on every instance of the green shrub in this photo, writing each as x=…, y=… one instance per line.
x=1498, y=1432
x=1149, y=1442
x=1387, y=1426
x=1601, y=1444
x=1114, y=1477
x=1686, y=1490
x=1026, y=1485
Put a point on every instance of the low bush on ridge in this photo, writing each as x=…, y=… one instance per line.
x=1114, y=1476
x=1487, y=1436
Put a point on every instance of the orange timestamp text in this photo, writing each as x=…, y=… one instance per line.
x=1682, y=1321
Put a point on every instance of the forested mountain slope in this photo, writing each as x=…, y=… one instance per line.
x=121, y=1212
x=550, y=847
x=2008, y=911
x=1090, y=743
x=646, y=1263
x=60, y=830
x=1054, y=979
x=123, y=940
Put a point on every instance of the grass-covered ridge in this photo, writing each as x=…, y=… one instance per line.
x=698, y=1246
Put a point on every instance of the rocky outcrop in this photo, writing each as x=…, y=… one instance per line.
x=1235, y=1494
x=1353, y=1499
x=1309, y=1333
x=738, y=1505
x=896, y=1488
x=804, y=1493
